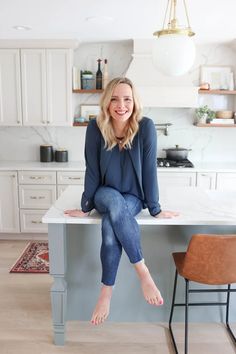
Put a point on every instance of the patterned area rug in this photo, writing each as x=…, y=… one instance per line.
x=34, y=259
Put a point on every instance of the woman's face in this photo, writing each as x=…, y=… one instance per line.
x=121, y=104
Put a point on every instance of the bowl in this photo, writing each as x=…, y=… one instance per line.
x=224, y=114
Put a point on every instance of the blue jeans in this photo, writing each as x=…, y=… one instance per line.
x=119, y=230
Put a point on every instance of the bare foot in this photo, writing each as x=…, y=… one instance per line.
x=150, y=291
x=102, y=307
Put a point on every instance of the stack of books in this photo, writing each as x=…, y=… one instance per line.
x=222, y=121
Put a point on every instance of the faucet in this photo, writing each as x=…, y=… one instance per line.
x=163, y=127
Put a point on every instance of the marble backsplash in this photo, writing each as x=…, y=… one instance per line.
x=207, y=144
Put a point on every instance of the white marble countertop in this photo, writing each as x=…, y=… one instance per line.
x=42, y=166
x=80, y=166
x=196, y=207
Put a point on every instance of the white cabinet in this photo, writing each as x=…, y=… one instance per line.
x=37, y=192
x=10, y=87
x=42, y=79
x=226, y=180
x=66, y=178
x=9, y=210
x=206, y=180
x=46, y=86
x=176, y=179
x=34, y=94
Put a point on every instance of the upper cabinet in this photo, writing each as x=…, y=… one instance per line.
x=10, y=87
x=38, y=92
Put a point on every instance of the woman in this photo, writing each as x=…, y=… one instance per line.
x=121, y=180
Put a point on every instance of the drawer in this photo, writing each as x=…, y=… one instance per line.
x=72, y=177
x=61, y=188
x=36, y=197
x=31, y=221
x=37, y=177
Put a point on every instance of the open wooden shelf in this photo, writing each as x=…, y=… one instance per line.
x=217, y=92
x=78, y=124
x=87, y=91
x=208, y=125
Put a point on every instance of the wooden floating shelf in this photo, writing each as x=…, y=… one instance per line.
x=218, y=92
x=87, y=91
x=78, y=124
x=216, y=125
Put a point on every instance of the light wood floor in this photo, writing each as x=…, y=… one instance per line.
x=25, y=322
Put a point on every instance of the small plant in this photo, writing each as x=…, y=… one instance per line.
x=87, y=72
x=204, y=114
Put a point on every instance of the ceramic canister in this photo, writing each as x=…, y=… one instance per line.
x=46, y=153
x=61, y=155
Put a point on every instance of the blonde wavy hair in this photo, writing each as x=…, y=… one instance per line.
x=104, y=119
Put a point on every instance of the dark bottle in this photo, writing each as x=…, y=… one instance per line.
x=99, y=76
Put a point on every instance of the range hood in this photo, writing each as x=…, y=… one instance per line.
x=154, y=88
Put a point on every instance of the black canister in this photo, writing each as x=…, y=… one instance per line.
x=61, y=155
x=46, y=153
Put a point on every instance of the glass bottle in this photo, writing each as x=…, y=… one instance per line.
x=105, y=74
x=99, y=76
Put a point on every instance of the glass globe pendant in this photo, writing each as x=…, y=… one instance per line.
x=173, y=49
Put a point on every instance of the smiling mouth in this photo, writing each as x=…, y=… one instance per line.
x=121, y=113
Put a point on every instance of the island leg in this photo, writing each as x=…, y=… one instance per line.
x=57, y=261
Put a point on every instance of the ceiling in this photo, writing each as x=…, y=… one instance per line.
x=211, y=20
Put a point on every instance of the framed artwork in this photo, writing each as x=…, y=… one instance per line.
x=218, y=77
x=89, y=111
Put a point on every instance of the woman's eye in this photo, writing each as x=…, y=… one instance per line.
x=113, y=99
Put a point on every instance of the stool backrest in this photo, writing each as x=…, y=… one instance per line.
x=211, y=259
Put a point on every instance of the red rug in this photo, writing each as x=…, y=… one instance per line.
x=34, y=259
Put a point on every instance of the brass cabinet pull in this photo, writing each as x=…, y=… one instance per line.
x=36, y=222
x=74, y=178
x=37, y=177
x=35, y=197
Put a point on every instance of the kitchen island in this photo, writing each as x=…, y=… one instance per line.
x=74, y=245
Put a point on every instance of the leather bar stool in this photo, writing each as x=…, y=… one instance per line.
x=209, y=259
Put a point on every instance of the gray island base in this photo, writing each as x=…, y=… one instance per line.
x=74, y=246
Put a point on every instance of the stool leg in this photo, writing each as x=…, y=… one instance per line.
x=171, y=312
x=227, y=316
x=186, y=316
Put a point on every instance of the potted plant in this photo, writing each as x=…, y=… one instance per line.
x=87, y=80
x=87, y=74
x=204, y=114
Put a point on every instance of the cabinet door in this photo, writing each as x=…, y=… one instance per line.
x=9, y=210
x=10, y=87
x=206, y=180
x=176, y=179
x=33, y=66
x=59, y=86
x=226, y=180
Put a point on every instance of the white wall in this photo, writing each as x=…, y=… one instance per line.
x=207, y=144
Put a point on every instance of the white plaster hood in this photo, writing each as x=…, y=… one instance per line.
x=154, y=88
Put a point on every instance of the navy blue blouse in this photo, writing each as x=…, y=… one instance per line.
x=120, y=173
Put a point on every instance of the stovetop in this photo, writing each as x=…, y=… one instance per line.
x=163, y=162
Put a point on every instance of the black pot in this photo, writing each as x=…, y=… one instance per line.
x=177, y=153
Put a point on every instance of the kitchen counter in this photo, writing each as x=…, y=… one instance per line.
x=208, y=207
x=74, y=245
x=80, y=166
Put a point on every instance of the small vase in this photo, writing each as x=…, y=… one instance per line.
x=203, y=119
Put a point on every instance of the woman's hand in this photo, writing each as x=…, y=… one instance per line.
x=75, y=212
x=166, y=214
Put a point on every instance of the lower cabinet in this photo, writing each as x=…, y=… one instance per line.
x=37, y=192
x=68, y=178
x=176, y=179
x=226, y=180
x=206, y=180
x=9, y=209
